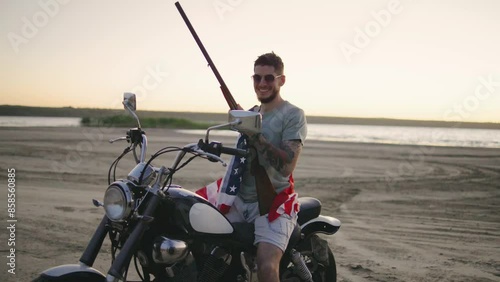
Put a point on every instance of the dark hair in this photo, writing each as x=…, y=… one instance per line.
x=270, y=59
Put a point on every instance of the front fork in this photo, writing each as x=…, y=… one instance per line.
x=90, y=254
x=122, y=261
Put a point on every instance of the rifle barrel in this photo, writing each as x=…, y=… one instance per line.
x=227, y=94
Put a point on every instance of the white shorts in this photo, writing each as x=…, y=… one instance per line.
x=276, y=233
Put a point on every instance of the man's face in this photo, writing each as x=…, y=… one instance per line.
x=266, y=89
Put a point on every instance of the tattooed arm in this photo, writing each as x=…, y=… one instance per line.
x=283, y=158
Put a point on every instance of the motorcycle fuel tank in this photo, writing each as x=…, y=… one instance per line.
x=199, y=214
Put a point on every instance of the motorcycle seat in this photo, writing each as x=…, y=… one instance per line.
x=309, y=208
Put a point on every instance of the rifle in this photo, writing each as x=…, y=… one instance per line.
x=265, y=189
x=223, y=87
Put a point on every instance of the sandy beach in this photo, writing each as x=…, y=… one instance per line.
x=408, y=213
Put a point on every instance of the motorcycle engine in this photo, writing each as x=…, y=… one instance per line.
x=169, y=251
x=215, y=265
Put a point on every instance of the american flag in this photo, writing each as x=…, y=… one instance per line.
x=222, y=192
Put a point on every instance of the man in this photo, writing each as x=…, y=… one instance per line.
x=284, y=130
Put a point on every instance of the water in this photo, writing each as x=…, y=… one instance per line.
x=6, y=121
x=403, y=135
x=406, y=135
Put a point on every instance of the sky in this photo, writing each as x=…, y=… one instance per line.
x=405, y=59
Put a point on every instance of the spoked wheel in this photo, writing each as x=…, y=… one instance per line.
x=319, y=260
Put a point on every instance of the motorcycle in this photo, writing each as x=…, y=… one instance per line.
x=173, y=234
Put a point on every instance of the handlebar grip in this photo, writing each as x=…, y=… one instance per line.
x=234, y=151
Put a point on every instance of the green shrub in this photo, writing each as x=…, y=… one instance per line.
x=128, y=121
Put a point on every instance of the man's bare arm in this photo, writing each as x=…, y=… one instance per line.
x=283, y=159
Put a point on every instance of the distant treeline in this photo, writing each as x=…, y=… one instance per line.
x=8, y=110
x=211, y=118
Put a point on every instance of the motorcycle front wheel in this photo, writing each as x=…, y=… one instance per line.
x=319, y=260
x=70, y=278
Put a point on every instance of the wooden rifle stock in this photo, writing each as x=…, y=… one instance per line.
x=265, y=189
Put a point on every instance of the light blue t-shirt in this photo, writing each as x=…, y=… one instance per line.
x=286, y=122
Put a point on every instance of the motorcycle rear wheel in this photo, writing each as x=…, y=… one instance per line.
x=319, y=259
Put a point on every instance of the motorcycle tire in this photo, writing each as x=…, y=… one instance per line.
x=72, y=278
x=319, y=260
x=329, y=273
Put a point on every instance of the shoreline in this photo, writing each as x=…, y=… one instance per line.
x=15, y=110
x=215, y=136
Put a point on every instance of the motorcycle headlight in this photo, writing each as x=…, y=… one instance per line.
x=118, y=201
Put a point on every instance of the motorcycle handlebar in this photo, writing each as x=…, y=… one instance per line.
x=217, y=148
x=212, y=157
x=234, y=151
x=117, y=139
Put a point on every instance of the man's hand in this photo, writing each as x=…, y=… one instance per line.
x=283, y=158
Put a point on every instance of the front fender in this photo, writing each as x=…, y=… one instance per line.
x=321, y=224
x=71, y=273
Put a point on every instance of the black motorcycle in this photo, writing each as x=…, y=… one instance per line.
x=173, y=234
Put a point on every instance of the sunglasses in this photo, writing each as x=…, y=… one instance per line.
x=269, y=78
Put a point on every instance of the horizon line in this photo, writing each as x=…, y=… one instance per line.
x=307, y=115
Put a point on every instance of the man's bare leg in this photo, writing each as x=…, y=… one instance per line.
x=268, y=262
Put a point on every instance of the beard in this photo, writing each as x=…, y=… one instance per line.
x=269, y=99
